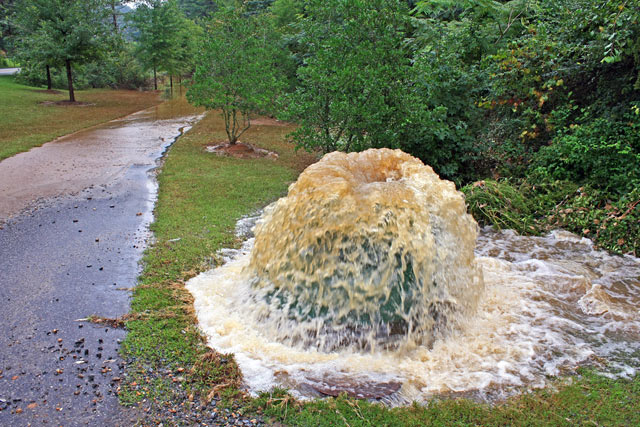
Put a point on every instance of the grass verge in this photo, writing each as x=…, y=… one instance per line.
x=201, y=197
x=173, y=376
x=25, y=122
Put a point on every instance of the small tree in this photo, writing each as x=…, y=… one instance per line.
x=235, y=70
x=182, y=59
x=158, y=34
x=61, y=32
x=352, y=92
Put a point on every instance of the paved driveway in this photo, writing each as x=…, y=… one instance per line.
x=73, y=225
x=9, y=71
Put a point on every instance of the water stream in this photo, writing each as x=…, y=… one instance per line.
x=370, y=278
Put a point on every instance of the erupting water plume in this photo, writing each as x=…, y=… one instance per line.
x=368, y=249
x=363, y=280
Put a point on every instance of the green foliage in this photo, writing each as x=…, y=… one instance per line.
x=235, y=68
x=444, y=138
x=501, y=205
x=256, y=6
x=547, y=205
x=541, y=79
x=119, y=70
x=198, y=9
x=5, y=26
x=480, y=24
x=7, y=63
x=612, y=225
x=286, y=12
x=188, y=39
x=57, y=32
x=352, y=92
x=603, y=153
x=159, y=35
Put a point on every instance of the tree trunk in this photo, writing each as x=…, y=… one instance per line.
x=72, y=96
x=171, y=83
x=48, y=78
x=155, y=79
x=115, y=17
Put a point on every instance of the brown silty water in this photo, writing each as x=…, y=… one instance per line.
x=371, y=278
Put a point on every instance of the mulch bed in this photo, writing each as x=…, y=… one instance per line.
x=241, y=150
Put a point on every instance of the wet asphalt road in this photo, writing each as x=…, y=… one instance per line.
x=64, y=259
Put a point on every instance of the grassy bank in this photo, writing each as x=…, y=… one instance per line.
x=200, y=199
x=612, y=222
x=173, y=376
x=29, y=116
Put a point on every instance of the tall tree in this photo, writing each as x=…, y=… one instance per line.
x=66, y=32
x=236, y=70
x=352, y=92
x=158, y=26
x=182, y=59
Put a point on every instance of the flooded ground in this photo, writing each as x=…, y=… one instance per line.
x=550, y=304
x=90, y=158
x=73, y=224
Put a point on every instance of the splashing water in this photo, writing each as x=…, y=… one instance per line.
x=363, y=279
x=378, y=251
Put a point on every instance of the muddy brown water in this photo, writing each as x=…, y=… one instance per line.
x=549, y=304
x=91, y=157
x=74, y=218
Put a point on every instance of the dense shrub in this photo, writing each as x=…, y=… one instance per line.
x=120, y=70
x=352, y=93
x=603, y=153
x=441, y=130
x=613, y=225
x=501, y=205
x=6, y=62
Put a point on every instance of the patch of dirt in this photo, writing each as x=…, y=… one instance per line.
x=241, y=150
x=49, y=91
x=68, y=103
x=268, y=121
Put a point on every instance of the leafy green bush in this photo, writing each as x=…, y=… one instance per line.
x=235, y=69
x=501, y=205
x=352, y=92
x=120, y=70
x=603, y=153
x=518, y=205
x=6, y=62
x=442, y=125
x=612, y=225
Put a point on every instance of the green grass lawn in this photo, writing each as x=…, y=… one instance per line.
x=201, y=197
x=28, y=117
